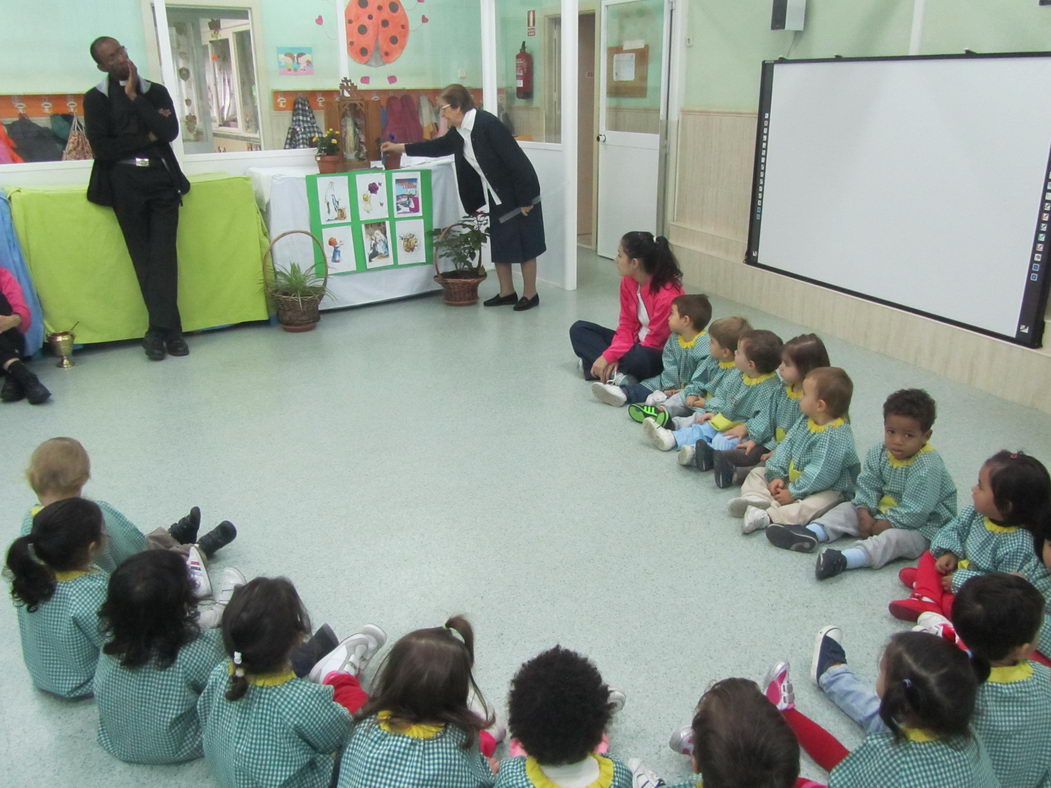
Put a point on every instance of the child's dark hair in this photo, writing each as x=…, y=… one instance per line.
x=695, y=306
x=929, y=683
x=656, y=256
x=727, y=331
x=996, y=613
x=558, y=706
x=150, y=609
x=807, y=352
x=263, y=622
x=60, y=541
x=740, y=739
x=762, y=348
x=1021, y=490
x=912, y=404
x=835, y=387
x=426, y=678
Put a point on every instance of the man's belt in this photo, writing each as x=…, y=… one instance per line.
x=141, y=161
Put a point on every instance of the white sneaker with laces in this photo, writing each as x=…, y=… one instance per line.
x=617, y=698
x=658, y=397
x=736, y=506
x=686, y=454
x=755, y=519
x=658, y=436
x=777, y=686
x=198, y=569
x=351, y=655
x=623, y=379
x=610, y=394
x=642, y=776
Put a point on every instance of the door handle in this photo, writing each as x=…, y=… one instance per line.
x=600, y=138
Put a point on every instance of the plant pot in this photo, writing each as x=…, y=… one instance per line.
x=329, y=163
x=459, y=290
x=297, y=314
x=391, y=161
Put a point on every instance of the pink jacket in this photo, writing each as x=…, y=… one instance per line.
x=658, y=307
x=13, y=293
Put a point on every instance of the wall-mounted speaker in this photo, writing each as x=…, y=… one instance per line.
x=788, y=15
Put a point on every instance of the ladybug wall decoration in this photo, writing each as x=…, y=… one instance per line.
x=377, y=30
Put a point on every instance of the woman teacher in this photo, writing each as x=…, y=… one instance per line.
x=490, y=163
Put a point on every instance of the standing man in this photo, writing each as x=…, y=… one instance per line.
x=130, y=124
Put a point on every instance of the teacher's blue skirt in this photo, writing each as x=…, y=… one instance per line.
x=518, y=239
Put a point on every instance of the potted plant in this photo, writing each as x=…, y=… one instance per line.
x=329, y=155
x=295, y=291
x=461, y=243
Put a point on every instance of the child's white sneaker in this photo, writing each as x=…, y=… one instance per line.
x=682, y=740
x=617, y=698
x=623, y=379
x=352, y=655
x=610, y=394
x=642, y=776
x=755, y=519
x=658, y=436
x=686, y=454
x=777, y=686
x=736, y=506
x=656, y=398
x=198, y=569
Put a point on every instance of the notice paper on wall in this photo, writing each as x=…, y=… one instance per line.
x=624, y=67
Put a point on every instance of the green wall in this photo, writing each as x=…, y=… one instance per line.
x=730, y=38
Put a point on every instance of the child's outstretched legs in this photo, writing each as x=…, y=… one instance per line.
x=830, y=671
x=819, y=744
x=211, y=616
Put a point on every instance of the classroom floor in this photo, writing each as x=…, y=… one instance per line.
x=408, y=461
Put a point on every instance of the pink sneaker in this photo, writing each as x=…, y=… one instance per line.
x=778, y=687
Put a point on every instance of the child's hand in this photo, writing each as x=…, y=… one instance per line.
x=879, y=526
x=947, y=563
x=494, y=764
x=600, y=369
x=947, y=582
x=784, y=496
x=737, y=432
x=775, y=486
x=746, y=446
x=703, y=417
x=764, y=457
x=693, y=401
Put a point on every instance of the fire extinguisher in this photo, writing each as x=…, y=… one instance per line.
x=523, y=74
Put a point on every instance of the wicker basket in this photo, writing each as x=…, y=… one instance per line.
x=459, y=291
x=294, y=313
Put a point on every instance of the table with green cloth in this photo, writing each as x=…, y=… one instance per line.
x=83, y=274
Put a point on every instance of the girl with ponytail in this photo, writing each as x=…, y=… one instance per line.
x=650, y=281
x=57, y=594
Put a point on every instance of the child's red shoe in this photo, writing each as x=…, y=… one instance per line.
x=907, y=576
x=910, y=609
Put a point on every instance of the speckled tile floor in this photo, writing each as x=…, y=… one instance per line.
x=407, y=461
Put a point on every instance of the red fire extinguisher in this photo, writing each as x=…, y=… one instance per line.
x=523, y=74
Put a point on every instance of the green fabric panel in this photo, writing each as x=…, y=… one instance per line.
x=82, y=271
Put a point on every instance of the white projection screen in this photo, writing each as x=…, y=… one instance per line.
x=919, y=182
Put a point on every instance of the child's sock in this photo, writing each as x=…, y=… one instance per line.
x=818, y=530
x=856, y=557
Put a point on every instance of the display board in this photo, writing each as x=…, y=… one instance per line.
x=919, y=182
x=371, y=220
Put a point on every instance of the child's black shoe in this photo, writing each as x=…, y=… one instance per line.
x=218, y=537
x=791, y=537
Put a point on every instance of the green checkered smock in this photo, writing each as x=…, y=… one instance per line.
x=742, y=399
x=525, y=772
x=123, y=538
x=707, y=377
x=776, y=420
x=816, y=457
x=681, y=359
x=1013, y=720
x=880, y=762
x=987, y=547
x=1043, y=585
x=149, y=715
x=377, y=757
x=284, y=731
x=916, y=493
x=61, y=638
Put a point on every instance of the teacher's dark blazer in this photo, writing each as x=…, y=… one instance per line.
x=504, y=163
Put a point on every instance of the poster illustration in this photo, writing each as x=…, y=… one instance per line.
x=375, y=237
x=371, y=193
x=411, y=242
x=295, y=61
x=407, y=194
x=333, y=200
x=339, y=249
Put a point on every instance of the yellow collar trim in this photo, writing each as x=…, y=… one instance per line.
x=918, y=735
x=65, y=577
x=727, y=365
x=540, y=780
x=814, y=427
x=684, y=344
x=792, y=393
x=758, y=379
x=417, y=731
x=998, y=529
x=896, y=463
x=1008, y=674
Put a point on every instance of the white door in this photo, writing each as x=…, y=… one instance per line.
x=632, y=110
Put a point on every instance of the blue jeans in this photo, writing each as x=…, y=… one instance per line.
x=590, y=340
x=856, y=700
x=636, y=392
x=694, y=433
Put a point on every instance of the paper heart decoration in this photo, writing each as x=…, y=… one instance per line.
x=392, y=80
x=319, y=20
x=425, y=19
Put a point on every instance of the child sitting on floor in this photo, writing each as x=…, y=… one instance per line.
x=995, y=534
x=738, y=399
x=683, y=352
x=558, y=710
x=261, y=724
x=798, y=356
x=917, y=722
x=57, y=592
x=59, y=468
x=904, y=495
x=738, y=738
x=814, y=468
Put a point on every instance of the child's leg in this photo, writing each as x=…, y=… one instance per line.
x=636, y=392
x=755, y=484
x=927, y=594
x=890, y=545
x=689, y=436
x=160, y=539
x=856, y=700
x=818, y=743
x=840, y=520
x=720, y=442
x=589, y=341
x=347, y=691
x=928, y=579
x=804, y=510
x=676, y=405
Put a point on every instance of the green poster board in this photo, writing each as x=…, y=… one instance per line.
x=371, y=220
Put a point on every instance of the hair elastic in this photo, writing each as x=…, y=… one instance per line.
x=238, y=670
x=907, y=683
x=455, y=633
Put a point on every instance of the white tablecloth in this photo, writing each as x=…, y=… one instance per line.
x=282, y=196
